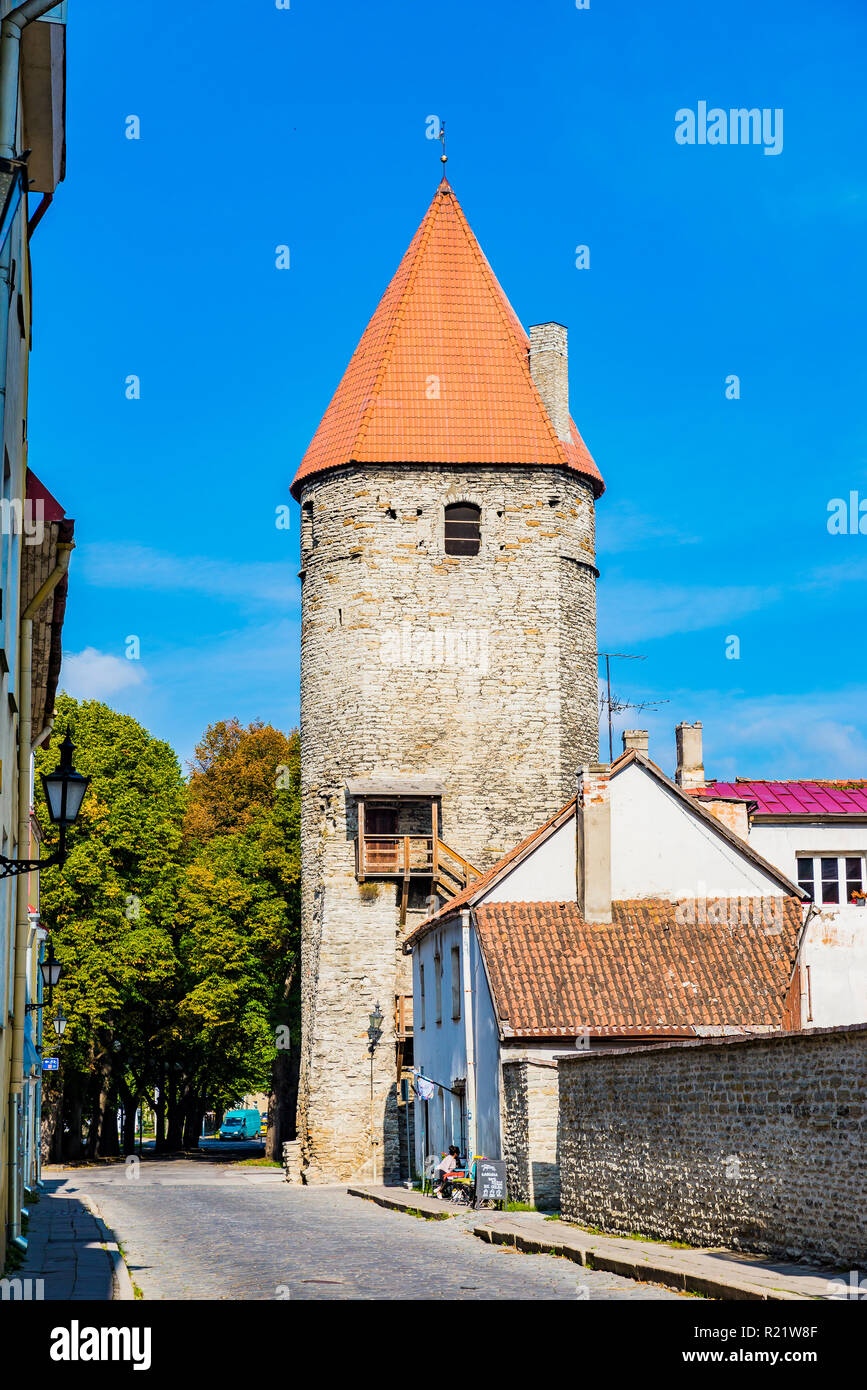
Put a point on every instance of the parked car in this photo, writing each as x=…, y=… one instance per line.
x=240, y=1124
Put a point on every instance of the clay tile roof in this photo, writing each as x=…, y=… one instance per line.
x=805, y=797
x=553, y=974
x=443, y=316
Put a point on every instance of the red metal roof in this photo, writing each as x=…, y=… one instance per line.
x=841, y=798
x=38, y=492
x=444, y=319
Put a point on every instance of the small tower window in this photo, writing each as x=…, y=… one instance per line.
x=463, y=534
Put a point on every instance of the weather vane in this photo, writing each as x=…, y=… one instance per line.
x=443, y=156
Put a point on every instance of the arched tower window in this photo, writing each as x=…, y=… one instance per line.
x=463, y=535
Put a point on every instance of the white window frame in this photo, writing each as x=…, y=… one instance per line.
x=842, y=890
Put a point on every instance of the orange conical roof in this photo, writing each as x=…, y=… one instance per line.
x=442, y=373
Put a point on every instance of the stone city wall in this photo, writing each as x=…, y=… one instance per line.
x=531, y=1106
x=756, y=1144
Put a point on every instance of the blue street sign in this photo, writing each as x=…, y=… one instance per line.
x=50, y=1063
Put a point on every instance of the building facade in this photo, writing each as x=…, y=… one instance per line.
x=816, y=832
x=35, y=543
x=448, y=625
x=632, y=916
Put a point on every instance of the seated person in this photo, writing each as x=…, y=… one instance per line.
x=447, y=1165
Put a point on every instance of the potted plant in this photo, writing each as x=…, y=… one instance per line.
x=859, y=898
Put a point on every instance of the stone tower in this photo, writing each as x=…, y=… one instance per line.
x=448, y=675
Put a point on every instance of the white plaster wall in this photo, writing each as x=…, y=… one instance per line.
x=782, y=844
x=545, y=876
x=835, y=942
x=661, y=849
x=835, y=951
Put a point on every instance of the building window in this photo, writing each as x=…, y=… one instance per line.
x=438, y=986
x=854, y=877
x=421, y=992
x=463, y=535
x=831, y=878
x=456, y=982
x=805, y=877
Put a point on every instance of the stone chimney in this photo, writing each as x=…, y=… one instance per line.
x=593, y=842
x=637, y=739
x=690, y=767
x=549, y=368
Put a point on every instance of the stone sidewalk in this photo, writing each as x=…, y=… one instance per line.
x=722, y=1274
x=70, y=1250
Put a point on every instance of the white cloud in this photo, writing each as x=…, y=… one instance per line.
x=635, y=610
x=232, y=661
x=95, y=675
x=850, y=570
x=621, y=527
x=810, y=735
x=251, y=672
x=110, y=565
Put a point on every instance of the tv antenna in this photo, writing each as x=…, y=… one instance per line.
x=613, y=703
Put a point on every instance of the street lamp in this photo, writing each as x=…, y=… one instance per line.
x=60, y=1021
x=64, y=787
x=51, y=971
x=374, y=1033
x=64, y=792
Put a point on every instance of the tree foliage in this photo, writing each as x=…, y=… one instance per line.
x=176, y=917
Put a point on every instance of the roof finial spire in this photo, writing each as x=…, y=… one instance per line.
x=443, y=156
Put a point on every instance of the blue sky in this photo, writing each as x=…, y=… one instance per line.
x=306, y=127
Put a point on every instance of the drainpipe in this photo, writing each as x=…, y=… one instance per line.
x=22, y=919
x=472, y=1127
x=42, y=736
x=10, y=54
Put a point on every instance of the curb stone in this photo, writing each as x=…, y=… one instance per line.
x=122, y=1285
x=644, y=1271
x=427, y=1205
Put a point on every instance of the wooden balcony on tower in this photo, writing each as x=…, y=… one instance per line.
x=398, y=836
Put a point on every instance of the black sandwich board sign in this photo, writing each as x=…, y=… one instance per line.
x=490, y=1180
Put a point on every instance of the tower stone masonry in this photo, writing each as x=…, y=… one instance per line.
x=448, y=669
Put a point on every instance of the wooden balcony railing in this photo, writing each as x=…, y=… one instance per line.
x=413, y=856
x=396, y=856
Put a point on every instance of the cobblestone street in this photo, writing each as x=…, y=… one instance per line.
x=194, y=1229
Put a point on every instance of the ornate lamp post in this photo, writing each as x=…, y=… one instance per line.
x=64, y=793
x=51, y=970
x=374, y=1033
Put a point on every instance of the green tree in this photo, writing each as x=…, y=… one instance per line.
x=176, y=917
x=240, y=914
x=111, y=911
